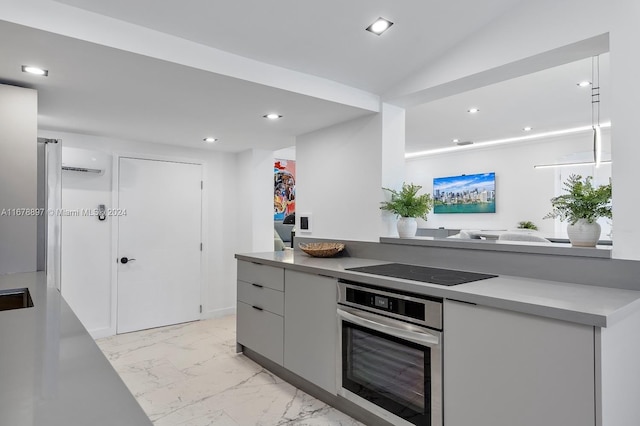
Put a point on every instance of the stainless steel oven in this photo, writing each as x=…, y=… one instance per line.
x=391, y=353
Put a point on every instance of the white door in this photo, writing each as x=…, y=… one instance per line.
x=158, y=243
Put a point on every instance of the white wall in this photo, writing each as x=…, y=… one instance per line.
x=87, y=256
x=86, y=247
x=341, y=171
x=254, y=208
x=18, y=188
x=522, y=192
x=339, y=180
x=533, y=28
x=392, y=159
x=285, y=153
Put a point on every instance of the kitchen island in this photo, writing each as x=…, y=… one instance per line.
x=51, y=371
x=517, y=350
x=589, y=305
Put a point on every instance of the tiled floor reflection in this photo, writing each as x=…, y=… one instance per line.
x=189, y=374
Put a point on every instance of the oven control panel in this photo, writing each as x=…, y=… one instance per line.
x=381, y=302
x=413, y=308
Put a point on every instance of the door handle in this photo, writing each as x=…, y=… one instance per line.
x=125, y=260
x=388, y=326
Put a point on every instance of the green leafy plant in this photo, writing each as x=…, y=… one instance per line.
x=525, y=224
x=583, y=201
x=407, y=202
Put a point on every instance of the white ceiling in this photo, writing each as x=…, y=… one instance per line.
x=548, y=100
x=94, y=89
x=97, y=90
x=324, y=38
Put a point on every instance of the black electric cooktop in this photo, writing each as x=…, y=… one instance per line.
x=448, y=277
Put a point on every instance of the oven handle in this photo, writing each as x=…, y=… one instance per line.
x=390, y=326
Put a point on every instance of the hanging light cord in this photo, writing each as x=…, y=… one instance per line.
x=595, y=110
x=595, y=122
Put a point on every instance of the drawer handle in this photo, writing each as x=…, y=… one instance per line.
x=257, y=308
x=257, y=285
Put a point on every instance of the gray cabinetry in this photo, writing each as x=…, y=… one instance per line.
x=508, y=368
x=263, y=297
x=260, y=322
x=261, y=331
x=311, y=328
x=265, y=275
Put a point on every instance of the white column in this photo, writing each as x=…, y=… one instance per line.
x=340, y=173
x=253, y=206
x=625, y=68
x=393, y=161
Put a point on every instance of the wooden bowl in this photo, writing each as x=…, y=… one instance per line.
x=321, y=249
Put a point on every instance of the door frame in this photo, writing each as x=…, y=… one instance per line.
x=115, y=228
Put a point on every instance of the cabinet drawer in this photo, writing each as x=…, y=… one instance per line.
x=263, y=297
x=268, y=276
x=261, y=331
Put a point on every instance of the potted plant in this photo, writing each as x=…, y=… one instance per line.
x=408, y=205
x=582, y=205
x=525, y=224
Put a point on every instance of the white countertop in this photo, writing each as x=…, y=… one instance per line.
x=584, y=304
x=51, y=371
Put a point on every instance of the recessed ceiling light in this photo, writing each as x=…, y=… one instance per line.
x=473, y=110
x=35, y=70
x=456, y=140
x=527, y=129
x=272, y=116
x=584, y=83
x=379, y=26
x=210, y=140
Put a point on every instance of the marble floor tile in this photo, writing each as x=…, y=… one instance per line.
x=189, y=375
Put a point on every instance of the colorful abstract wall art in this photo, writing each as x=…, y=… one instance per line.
x=284, y=188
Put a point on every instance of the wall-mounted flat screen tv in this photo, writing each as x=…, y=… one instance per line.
x=465, y=194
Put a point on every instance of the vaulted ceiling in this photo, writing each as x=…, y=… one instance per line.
x=299, y=59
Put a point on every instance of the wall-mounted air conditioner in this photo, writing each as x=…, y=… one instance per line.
x=84, y=160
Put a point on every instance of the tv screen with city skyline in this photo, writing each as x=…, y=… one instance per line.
x=465, y=193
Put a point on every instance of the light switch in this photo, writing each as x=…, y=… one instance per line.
x=305, y=222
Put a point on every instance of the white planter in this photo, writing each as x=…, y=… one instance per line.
x=583, y=233
x=407, y=227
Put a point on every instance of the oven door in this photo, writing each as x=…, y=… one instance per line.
x=391, y=367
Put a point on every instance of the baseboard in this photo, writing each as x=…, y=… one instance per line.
x=217, y=313
x=99, y=333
